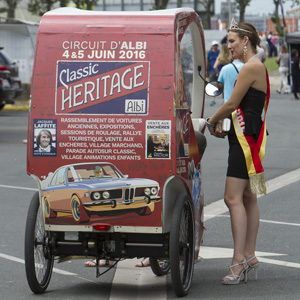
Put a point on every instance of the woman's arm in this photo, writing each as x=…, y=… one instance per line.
x=251, y=75
x=217, y=62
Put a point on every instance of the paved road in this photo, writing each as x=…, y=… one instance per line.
x=278, y=241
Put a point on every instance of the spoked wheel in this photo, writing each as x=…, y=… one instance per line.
x=182, y=246
x=38, y=258
x=159, y=267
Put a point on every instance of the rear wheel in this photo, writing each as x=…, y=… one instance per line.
x=182, y=246
x=159, y=267
x=38, y=257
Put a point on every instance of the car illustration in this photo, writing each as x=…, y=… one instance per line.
x=86, y=189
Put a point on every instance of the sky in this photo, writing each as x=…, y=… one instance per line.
x=258, y=7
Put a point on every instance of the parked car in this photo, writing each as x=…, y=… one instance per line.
x=7, y=62
x=93, y=188
x=7, y=91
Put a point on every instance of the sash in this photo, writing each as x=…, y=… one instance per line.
x=254, y=152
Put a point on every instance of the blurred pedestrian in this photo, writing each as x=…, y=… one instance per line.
x=228, y=76
x=211, y=59
x=295, y=67
x=222, y=60
x=261, y=53
x=283, y=61
x=272, y=48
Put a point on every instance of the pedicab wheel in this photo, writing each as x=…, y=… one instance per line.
x=159, y=267
x=182, y=246
x=38, y=258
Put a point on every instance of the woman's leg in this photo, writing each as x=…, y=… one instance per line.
x=281, y=80
x=234, y=192
x=284, y=79
x=250, y=203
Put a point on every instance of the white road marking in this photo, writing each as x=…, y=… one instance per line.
x=17, y=187
x=280, y=263
x=22, y=261
x=214, y=252
x=260, y=220
x=141, y=284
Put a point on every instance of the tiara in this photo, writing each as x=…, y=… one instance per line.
x=235, y=26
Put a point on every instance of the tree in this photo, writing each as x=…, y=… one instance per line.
x=12, y=5
x=39, y=7
x=85, y=4
x=207, y=6
x=160, y=4
x=276, y=16
x=241, y=6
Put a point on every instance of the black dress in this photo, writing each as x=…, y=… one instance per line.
x=252, y=106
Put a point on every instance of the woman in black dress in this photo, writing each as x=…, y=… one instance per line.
x=247, y=136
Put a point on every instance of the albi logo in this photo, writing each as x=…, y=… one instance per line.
x=87, y=87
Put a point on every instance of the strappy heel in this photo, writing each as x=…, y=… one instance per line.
x=234, y=278
x=254, y=267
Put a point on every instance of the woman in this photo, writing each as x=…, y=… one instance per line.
x=245, y=177
x=223, y=59
x=295, y=66
x=283, y=61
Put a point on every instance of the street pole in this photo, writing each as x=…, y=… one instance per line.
x=229, y=12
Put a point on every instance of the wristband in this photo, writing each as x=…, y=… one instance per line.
x=210, y=125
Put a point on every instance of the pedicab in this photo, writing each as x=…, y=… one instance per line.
x=114, y=140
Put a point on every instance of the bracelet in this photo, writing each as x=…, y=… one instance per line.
x=210, y=125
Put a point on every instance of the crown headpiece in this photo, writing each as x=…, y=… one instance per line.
x=235, y=26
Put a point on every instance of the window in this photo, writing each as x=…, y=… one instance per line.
x=58, y=178
x=186, y=54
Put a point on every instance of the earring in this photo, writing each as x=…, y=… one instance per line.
x=245, y=50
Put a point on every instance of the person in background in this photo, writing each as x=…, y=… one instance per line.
x=211, y=59
x=228, y=76
x=283, y=61
x=222, y=60
x=295, y=67
x=249, y=99
x=272, y=48
x=261, y=54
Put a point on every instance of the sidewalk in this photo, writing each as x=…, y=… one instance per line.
x=23, y=104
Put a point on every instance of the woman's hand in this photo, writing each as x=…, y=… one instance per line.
x=217, y=130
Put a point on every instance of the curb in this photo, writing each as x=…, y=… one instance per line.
x=17, y=107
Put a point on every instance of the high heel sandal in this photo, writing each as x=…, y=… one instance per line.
x=234, y=278
x=255, y=266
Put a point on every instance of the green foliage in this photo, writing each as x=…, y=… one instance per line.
x=39, y=7
x=271, y=64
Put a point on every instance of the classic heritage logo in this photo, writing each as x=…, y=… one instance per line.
x=87, y=87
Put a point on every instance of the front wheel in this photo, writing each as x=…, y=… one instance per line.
x=182, y=246
x=38, y=257
x=159, y=267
